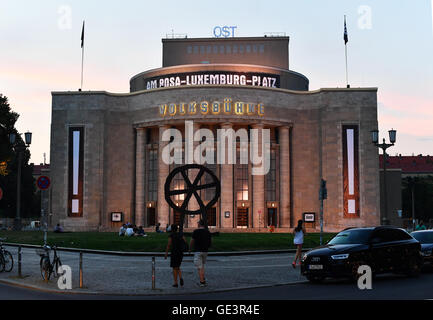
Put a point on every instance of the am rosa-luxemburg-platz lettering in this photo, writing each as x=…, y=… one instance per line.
x=213, y=79
x=227, y=107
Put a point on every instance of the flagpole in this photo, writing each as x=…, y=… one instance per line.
x=347, y=75
x=345, y=50
x=82, y=56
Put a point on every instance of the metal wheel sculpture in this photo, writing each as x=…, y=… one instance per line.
x=191, y=190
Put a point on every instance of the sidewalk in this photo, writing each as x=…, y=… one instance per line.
x=104, y=274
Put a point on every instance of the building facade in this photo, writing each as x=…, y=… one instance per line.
x=107, y=149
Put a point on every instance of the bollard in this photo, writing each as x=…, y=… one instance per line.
x=81, y=269
x=19, y=262
x=153, y=273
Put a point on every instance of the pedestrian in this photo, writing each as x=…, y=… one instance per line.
x=298, y=241
x=58, y=228
x=421, y=226
x=201, y=241
x=177, y=244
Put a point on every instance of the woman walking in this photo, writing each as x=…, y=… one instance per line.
x=176, y=242
x=298, y=241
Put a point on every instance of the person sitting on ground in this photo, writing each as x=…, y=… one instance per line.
x=157, y=228
x=58, y=229
x=140, y=232
x=122, y=230
x=129, y=231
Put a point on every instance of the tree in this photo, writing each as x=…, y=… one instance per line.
x=9, y=166
x=423, y=194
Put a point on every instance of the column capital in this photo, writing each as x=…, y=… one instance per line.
x=257, y=126
x=226, y=125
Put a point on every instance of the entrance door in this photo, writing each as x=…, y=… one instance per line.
x=150, y=217
x=242, y=217
x=272, y=217
x=211, y=217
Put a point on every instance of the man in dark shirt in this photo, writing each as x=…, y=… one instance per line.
x=201, y=241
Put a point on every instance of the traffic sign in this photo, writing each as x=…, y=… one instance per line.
x=43, y=182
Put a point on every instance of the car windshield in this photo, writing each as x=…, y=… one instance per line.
x=351, y=237
x=423, y=237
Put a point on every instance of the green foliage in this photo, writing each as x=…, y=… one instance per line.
x=8, y=180
x=423, y=192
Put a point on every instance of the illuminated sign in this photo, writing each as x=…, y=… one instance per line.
x=214, y=78
x=227, y=107
x=224, y=32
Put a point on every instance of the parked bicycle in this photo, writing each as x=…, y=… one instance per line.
x=49, y=268
x=6, y=259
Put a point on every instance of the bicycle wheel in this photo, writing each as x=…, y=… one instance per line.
x=45, y=268
x=2, y=263
x=8, y=261
x=57, y=264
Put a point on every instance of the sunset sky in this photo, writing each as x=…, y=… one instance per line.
x=390, y=47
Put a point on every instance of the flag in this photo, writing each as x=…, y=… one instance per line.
x=346, y=38
x=82, y=37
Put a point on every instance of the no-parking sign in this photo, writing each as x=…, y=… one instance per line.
x=43, y=182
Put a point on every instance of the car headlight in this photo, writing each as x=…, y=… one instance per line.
x=340, y=256
x=426, y=253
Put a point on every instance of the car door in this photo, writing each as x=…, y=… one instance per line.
x=381, y=251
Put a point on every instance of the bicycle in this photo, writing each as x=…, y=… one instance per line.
x=6, y=259
x=47, y=267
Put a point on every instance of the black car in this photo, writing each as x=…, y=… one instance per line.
x=385, y=249
x=425, y=237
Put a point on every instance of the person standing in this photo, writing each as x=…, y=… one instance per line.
x=201, y=241
x=176, y=243
x=298, y=241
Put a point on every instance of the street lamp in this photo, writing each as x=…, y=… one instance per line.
x=384, y=146
x=19, y=149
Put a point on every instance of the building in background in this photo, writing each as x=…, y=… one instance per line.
x=404, y=175
x=106, y=148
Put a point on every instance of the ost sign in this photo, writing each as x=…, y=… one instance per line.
x=224, y=32
x=215, y=78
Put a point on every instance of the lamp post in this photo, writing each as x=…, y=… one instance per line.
x=19, y=149
x=384, y=146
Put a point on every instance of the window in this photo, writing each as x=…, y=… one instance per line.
x=215, y=49
x=222, y=49
x=248, y=48
x=255, y=48
x=228, y=49
x=76, y=171
x=195, y=49
x=235, y=48
x=202, y=48
x=241, y=49
x=350, y=172
x=208, y=49
x=262, y=48
x=189, y=49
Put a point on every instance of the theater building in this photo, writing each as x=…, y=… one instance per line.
x=106, y=148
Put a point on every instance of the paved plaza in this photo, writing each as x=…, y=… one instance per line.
x=111, y=274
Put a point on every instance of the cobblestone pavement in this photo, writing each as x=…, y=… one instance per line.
x=133, y=275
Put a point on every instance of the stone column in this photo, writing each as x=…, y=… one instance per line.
x=226, y=186
x=140, y=176
x=162, y=214
x=284, y=214
x=258, y=187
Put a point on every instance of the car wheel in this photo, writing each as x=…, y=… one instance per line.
x=315, y=279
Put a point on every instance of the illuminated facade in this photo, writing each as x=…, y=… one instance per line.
x=106, y=148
